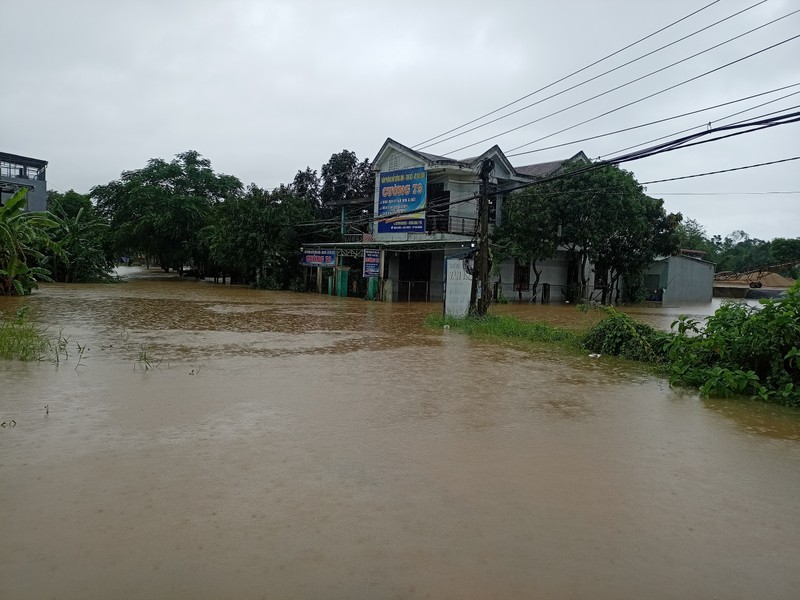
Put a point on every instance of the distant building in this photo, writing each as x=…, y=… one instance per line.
x=18, y=172
x=678, y=280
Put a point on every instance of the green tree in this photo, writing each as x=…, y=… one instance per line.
x=345, y=178
x=600, y=215
x=82, y=236
x=786, y=251
x=604, y=216
x=22, y=234
x=306, y=185
x=256, y=238
x=160, y=209
x=692, y=236
x=636, y=230
x=738, y=252
x=528, y=230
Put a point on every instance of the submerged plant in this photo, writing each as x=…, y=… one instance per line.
x=20, y=339
x=57, y=347
x=145, y=359
x=81, y=352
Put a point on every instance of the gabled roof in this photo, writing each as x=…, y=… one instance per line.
x=548, y=168
x=423, y=157
x=435, y=160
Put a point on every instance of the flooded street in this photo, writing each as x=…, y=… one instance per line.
x=226, y=443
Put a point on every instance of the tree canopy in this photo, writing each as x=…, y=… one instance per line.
x=23, y=235
x=82, y=236
x=255, y=238
x=738, y=252
x=345, y=178
x=600, y=215
x=160, y=209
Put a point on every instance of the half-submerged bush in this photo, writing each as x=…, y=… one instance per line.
x=619, y=335
x=508, y=327
x=20, y=339
x=742, y=350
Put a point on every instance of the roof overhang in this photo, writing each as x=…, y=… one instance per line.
x=396, y=246
x=26, y=161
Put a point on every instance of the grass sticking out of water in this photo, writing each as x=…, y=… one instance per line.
x=503, y=326
x=20, y=339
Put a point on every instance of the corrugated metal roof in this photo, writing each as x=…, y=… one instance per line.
x=541, y=169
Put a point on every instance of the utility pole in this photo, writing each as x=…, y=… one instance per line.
x=481, y=296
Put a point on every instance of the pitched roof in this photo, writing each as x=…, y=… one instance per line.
x=534, y=170
x=540, y=169
x=548, y=168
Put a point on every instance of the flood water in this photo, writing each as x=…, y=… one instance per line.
x=288, y=445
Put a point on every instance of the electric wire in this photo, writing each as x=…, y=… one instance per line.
x=584, y=82
x=643, y=98
x=671, y=118
x=582, y=69
x=767, y=193
x=763, y=164
x=725, y=118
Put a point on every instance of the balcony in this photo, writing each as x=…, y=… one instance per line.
x=13, y=166
x=455, y=225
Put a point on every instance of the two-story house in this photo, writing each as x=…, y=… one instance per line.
x=425, y=208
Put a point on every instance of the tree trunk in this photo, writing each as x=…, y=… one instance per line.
x=535, y=284
x=583, y=279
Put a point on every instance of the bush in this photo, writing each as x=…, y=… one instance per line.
x=742, y=350
x=620, y=335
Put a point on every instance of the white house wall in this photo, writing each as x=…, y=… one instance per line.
x=460, y=189
x=554, y=272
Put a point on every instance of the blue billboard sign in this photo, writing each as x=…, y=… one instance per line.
x=319, y=257
x=372, y=262
x=401, y=199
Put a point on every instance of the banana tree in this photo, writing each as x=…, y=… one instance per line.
x=21, y=235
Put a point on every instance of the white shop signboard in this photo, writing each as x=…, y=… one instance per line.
x=459, y=287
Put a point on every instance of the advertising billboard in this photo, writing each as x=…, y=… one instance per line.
x=402, y=197
x=372, y=262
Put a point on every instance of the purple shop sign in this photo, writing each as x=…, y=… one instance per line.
x=320, y=257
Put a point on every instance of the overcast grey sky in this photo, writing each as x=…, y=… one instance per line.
x=265, y=88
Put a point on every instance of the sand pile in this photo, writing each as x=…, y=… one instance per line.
x=772, y=280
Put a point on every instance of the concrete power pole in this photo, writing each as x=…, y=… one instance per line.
x=479, y=305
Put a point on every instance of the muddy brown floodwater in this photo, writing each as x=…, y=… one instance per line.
x=298, y=446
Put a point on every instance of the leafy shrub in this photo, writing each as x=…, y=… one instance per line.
x=742, y=350
x=620, y=335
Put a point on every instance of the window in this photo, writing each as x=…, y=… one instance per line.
x=437, y=215
x=522, y=277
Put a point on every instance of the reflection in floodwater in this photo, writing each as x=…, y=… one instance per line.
x=300, y=446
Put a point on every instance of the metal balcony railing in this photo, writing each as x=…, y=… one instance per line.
x=457, y=225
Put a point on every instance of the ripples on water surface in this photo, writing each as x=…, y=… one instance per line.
x=298, y=446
